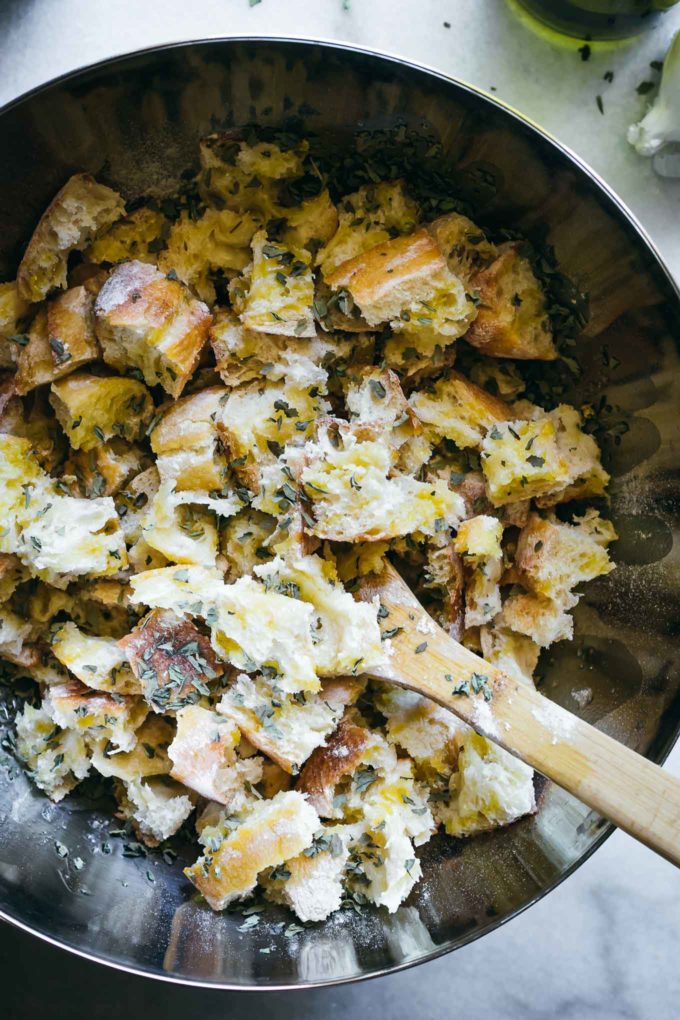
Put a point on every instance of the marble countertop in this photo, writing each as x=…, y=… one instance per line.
x=605, y=944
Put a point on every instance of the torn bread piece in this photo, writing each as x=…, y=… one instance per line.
x=31, y=419
x=259, y=419
x=553, y=557
x=512, y=319
x=374, y=397
x=311, y=883
x=352, y=497
x=12, y=573
x=587, y=477
x=489, y=789
x=198, y=246
x=60, y=340
x=273, y=832
x=478, y=541
x=276, y=295
x=133, y=501
x=105, y=469
x=287, y=728
x=67, y=538
x=514, y=653
x=139, y=235
x=426, y=732
x=522, y=460
x=367, y=217
x=463, y=244
x=171, y=659
x=243, y=542
x=93, y=409
x=13, y=312
x=186, y=442
x=348, y=746
x=96, y=714
x=57, y=759
x=156, y=807
x=98, y=662
x=256, y=628
x=180, y=532
x=458, y=410
x=205, y=758
x=407, y=283
x=75, y=216
x=151, y=322
x=148, y=756
x=184, y=589
x=345, y=633
x=537, y=617
x=243, y=355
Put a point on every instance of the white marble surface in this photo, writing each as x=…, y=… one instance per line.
x=605, y=944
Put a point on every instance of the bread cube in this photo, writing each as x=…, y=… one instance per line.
x=186, y=589
x=75, y=216
x=286, y=728
x=259, y=627
x=105, y=469
x=512, y=318
x=180, y=532
x=310, y=224
x=479, y=543
x=369, y=216
x=243, y=542
x=139, y=235
x=13, y=309
x=97, y=662
x=67, y=538
x=156, y=807
x=32, y=419
x=521, y=460
x=587, y=477
x=247, y=176
x=219, y=240
x=12, y=573
x=133, y=501
x=463, y=245
x=171, y=659
x=186, y=445
x=277, y=294
x=427, y=733
x=273, y=831
x=516, y=654
x=346, y=635
x=259, y=420
x=56, y=760
x=149, y=321
x=458, y=410
x=490, y=788
x=92, y=409
x=554, y=558
x=406, y=280
x=204, y=758
x=311, y=883
x=243, y=355
x=538, y=617
x=61, y=339
x=96, y=714
x=352, y=497
x=147, y=757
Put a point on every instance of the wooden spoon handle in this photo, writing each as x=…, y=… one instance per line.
x=626, y=788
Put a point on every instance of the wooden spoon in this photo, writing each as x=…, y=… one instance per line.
x=626, y=788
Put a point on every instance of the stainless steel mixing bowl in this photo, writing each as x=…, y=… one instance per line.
x=135, y=121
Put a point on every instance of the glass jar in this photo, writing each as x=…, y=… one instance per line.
x=598, y=19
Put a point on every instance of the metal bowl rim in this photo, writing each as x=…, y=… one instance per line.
x=622, y=210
